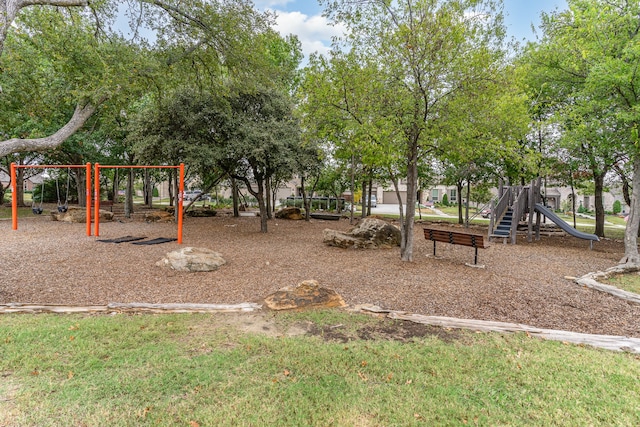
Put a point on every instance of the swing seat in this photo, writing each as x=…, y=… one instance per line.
x=62, y=209
x=36, y=211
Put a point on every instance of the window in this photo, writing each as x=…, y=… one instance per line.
x=453, y=195
x=435, y=195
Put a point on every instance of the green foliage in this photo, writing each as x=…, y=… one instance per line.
x=584, y=76
x=388, y=99
x=445, y=200
x=617, y=207
x=481, y=193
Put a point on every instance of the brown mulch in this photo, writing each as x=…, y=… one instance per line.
x=49, y=262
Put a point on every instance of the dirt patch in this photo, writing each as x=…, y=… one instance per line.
x=391, y=330
x=378, y=328
x=8, y=391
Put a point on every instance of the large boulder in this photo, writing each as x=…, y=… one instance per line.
x=158, y=216
x=307, y=294
x=369, y=233
x=290, y=212
x=192, y=259
x=77, y=214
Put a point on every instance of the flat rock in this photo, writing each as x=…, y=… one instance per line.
x=192, y=259
x=307, y=294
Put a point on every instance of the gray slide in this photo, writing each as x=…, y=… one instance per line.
x=563, y=224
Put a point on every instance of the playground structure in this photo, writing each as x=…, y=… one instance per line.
x=517, y=203
x=96, y=204
x=180, y=168
x=14, y=189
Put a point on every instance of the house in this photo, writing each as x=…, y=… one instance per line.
x=28, y=183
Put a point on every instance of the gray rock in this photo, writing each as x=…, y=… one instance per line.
x=192, y=259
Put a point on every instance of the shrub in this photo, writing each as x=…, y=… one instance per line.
x=445, y=200
x=617, y=207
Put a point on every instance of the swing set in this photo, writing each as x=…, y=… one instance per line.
x=38, y=210
x=64, y=207
x=96, y=195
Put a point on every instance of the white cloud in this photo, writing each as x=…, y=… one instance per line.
x=314, y=32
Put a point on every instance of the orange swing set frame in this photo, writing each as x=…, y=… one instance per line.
x=14, y=189
x=96, y=195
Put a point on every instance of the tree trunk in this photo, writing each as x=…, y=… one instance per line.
x=148, y=189
x=128, y=203
x=305, y=200
x=234, y=196
x=396, y=187
x=177, y=193
x=172, y=175
x=20, y=186
x=466, y=204
x=274, y=195
x=262, y=205
x=267, y=184
x=116, y=187
x=81, y=187
x=406, y=251
x=353, y=189
x=459, y=188
x=631, y=255
x=599, y=205
x=363, y=214
x=369, y=191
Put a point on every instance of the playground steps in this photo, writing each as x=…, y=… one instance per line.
x=503, y=230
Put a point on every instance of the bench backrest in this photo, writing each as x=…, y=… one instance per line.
x=455, y=237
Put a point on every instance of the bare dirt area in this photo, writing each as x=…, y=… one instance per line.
x=49, y=262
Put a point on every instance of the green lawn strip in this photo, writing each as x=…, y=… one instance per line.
x=176, y=369
x=629, y=282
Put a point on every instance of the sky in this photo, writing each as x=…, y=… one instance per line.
x=303, y=18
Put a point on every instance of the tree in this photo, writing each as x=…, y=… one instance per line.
x=223, y=32
x=593, y=50
x=264, y=136
x=421, y=54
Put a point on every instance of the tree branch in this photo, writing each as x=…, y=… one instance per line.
x=62, y=3
x=80, y=116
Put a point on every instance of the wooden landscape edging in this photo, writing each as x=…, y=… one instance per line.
x=123, y=307
x=590, y=280
x=609, y=342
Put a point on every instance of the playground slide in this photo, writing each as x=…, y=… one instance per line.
x=562, y=224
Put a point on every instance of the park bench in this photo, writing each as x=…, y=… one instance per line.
x=456, y=238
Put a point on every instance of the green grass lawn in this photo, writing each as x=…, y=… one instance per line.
x=193, y=370
x=629, y=282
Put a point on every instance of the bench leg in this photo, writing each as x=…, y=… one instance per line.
x=475, y=259
x=434, y=248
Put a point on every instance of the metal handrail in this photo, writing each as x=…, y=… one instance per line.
x=498, y=209
x=483, y=207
